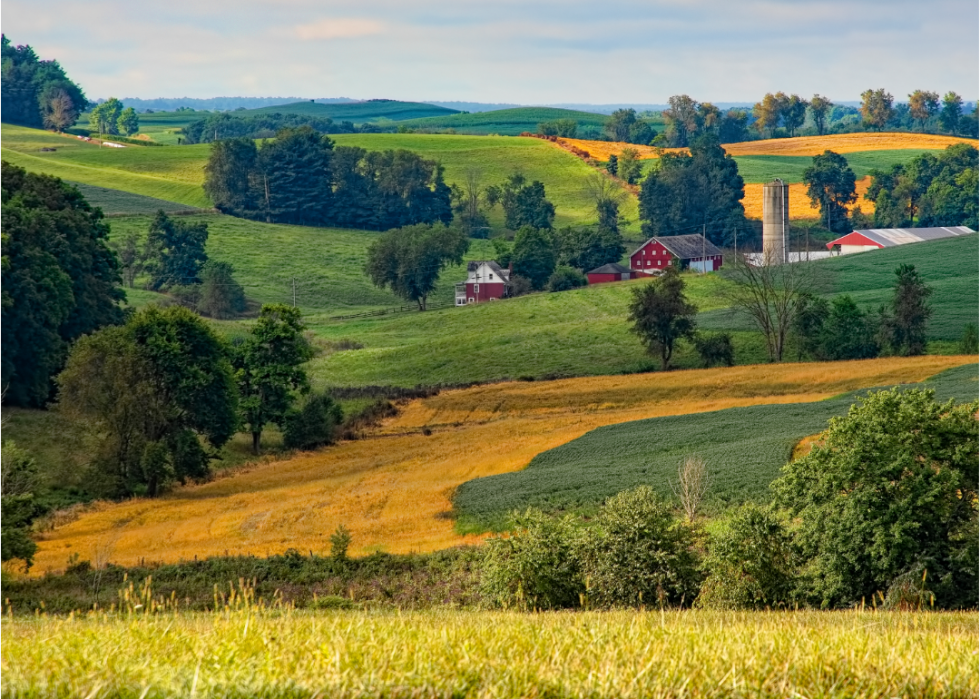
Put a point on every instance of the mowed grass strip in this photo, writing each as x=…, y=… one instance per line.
x=744, y=449
x=287, y=653
x=393, y=490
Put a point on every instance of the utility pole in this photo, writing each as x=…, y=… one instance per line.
x=704, y=262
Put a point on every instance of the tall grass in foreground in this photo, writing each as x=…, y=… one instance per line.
x=250, y=650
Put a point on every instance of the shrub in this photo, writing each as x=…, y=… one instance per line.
x=969, y=341
x=339, y=543
x=749, y=563
x=314, y=425
x=536, y=566
x=639, y=554
x=891, y=490
x=565, y=278
x=715, y=349
x=520, y=286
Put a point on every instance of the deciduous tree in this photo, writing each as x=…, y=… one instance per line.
x=819, y=110
x=923, y=105
x=876, y=108
x=952, y=110
x=175, y=251
x=128, y=122
x=910, y=311
x=830, y=185
x=534, y=256
x=661, y=315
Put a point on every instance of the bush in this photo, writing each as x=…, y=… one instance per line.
x=639, y=554
x=314, y=425
x=969, y=341
x=715, y=349
x=536, y=566
x=520, y=286
x=890, y=491
x=749, y=563
x=565, y=278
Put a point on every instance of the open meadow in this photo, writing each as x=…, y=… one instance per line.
x=251, y=651
x=393, y=489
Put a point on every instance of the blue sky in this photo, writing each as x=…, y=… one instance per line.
x=529, y=52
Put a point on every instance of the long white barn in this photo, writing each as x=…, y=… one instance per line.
x=877, y=238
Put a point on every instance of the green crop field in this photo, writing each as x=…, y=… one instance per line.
x=743, y=447
x=164, y=127
x=506, y=122
x=117, y=202
x=763, y=168
x=357, y=112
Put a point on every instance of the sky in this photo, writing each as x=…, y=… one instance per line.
x=518, y=51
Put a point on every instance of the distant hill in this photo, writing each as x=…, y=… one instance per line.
x=506, y=122
x=218, y=104
x=357, y=112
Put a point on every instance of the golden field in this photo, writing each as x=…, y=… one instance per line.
x=800, y=206
x=799, y=146
x=393, y=489
x=262, y=652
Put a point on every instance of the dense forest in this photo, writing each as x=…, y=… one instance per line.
x=37, y=93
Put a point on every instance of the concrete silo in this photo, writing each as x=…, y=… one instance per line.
x=775, y=221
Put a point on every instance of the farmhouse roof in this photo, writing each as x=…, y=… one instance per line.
x=494, y=267
x=684, y=246
x=611, y=268
x=890, y=237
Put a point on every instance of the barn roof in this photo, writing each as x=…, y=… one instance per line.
x=611, y=268
x=684, y=246
x=890, y=237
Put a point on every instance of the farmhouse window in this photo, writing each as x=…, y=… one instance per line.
x=476, y=288
x=491, y=275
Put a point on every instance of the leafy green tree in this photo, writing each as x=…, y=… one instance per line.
x=565, y=279
x=315, y=424
x=220, y=295
x=830, y=185
x=534, y=256
x=661, y=315
x=911, y=311
x=923, y=105
x=565, y=128
x=629, y=167
x=619, y=123
x=128, y=122
x=793, y=112
x=294, y=178
x=524, y=203
x=104, y=119
x=468, y=207
x=716, y=348
x=612, y=167
x=969, y=340
x=231, y=178
x=588, y=248
x=750, y=563
x=876, y=108
x=175, y=251
x=819, y=111
x=847, y=332
x=153, y=394
x=60, y=280
x=889, y=490
x=682, y=120
x=808, y=325
x=767, y=114
x=37, y=93
x=952, y=110
x=637, y=554
x=733, y=126
x=409, y=260
x=268, y=367
x=688, y=191
x=608, y=196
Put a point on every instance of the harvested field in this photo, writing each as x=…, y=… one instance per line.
x=392, y=490
x=802, y=145
x=800, y=206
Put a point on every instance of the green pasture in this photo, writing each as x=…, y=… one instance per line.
x=164, y=127
x=170, y=173
x=494, y=158
x=116, y=202
x=763, y=168
x=744, y=449
x=505, y=122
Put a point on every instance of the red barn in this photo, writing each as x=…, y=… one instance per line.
x=688, y=251
x=485, y=281
x=612, y=272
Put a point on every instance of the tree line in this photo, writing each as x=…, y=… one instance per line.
x=112, y=118
x=222, y=125
x=35, y=92
x=300, y=177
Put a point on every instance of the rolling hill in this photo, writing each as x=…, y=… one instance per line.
x=505, y=122
x=357, y=112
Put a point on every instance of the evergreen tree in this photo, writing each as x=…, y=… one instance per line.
x=60, y=280
x=175, y=251
x=230, y=177
x=294, y=177
x=911, y=311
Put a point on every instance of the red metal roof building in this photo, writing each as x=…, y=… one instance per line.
x=688, y=251
x=611, y=272
x=877, y=238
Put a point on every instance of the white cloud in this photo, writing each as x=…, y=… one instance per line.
x=338, y=28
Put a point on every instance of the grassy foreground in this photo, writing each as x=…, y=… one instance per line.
x=250, y=651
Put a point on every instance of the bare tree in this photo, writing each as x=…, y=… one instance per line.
x=692, y=485
x=768, y=294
